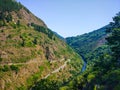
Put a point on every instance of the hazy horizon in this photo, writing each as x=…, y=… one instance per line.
x=69, y=18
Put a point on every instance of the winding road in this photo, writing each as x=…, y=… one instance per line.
x=58, y=69
x=55, y=71
x=63, y=66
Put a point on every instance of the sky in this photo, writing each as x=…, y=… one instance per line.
x=73, y=17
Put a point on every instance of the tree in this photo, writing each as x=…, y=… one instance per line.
x=114, y=38
x=18, y=22
x=9, y=17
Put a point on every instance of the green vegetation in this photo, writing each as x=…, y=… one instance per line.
x=31, y=44
x=7, y=68
x=46, y=84
x=88, y=43
x=43, y=30
x=14, y=68
x=21, y=88
x=31, y=80
x=27, y=40
x=0, y=59
x=54, y=82
x=9, y=5
x=103, y=73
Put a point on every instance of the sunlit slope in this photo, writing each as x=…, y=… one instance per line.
x=29, y=50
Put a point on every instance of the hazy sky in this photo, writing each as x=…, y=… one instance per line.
x=73, y=17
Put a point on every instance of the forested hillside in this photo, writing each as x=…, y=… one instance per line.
x=103, y=73
x=88, y=44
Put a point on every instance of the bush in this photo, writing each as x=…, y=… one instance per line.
x=9, y=18
x=14, y=68
x=5, y=68
x=46, y=84
x=90, y=77
x=13, y=25
x=21, y=88
x=0, y=59
x=27, y=40
x=2, y=23
x=65, y=88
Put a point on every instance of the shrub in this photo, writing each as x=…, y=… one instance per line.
x=5, y=68
x=65, y=88
x=9, y=18
x=90, y=77
x=21, y=88
x=0, y=59
x=46, y=84
x=14, y=68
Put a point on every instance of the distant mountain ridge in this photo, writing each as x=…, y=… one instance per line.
x=88, y=42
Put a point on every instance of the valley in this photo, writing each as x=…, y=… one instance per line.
x=34, y=57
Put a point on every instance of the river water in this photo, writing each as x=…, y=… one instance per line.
x=84, y=66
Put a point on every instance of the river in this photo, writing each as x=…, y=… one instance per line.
x=84, y=66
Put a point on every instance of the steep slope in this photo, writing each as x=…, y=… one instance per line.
x=88, y=43
x=29, y=50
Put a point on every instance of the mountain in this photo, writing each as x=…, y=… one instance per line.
x=88, y=43
x=102, y=52
x=30, y=51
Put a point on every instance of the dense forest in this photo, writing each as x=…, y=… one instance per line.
x=88, y=44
